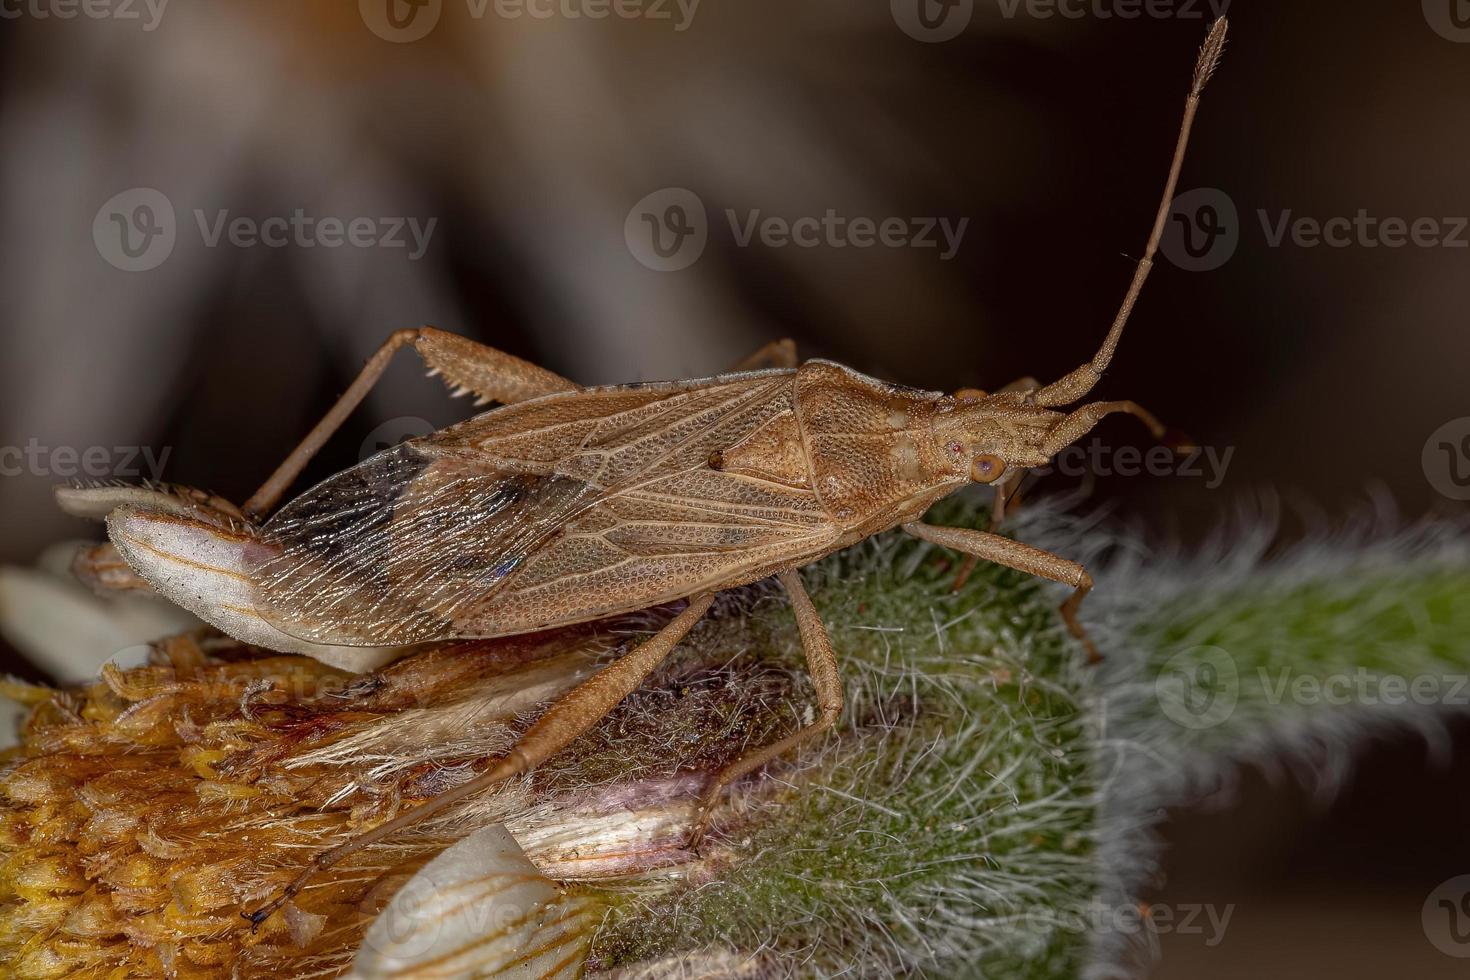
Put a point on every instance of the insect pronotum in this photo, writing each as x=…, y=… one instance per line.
x=570, y=504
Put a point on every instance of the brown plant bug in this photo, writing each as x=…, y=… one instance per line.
x=570, y=504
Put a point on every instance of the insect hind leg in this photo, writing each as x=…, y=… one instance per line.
x=822, y=664
x=467, y=367
x=571, y=715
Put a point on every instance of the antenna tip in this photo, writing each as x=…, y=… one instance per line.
x=1209, y=55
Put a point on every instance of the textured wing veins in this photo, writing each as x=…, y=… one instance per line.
x=415, y=543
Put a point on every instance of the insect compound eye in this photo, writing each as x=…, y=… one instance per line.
x=987, y=468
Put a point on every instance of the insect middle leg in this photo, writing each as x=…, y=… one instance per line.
x=575, y=712
x=489, y=374
x=822, y=664
x=1023, y=558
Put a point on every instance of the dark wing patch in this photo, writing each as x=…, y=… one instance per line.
x=391, y=551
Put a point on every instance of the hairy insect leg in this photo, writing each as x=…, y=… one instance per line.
x=1071, y=428
x=777, y=354
x=1006, y=490
x=571, y=715
x=1080, y=381
x=822, y=664
x=469, y=367
x=1023, y=558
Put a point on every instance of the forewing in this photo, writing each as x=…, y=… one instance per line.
x=391, y=551
x=675, y=536
x=545, y=512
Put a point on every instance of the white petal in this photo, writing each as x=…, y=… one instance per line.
x=479, y=909
x=67, y=631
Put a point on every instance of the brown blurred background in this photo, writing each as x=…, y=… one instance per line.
x=528, y=140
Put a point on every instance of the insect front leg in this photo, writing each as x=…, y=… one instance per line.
x=468, y=367
x=1007, y=489
x=1023, y=558
x=822, y=664
x=575, y=712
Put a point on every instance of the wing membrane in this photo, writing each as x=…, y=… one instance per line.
x=390, y=551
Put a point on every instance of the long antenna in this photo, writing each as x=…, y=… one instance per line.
x=1079, y=382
